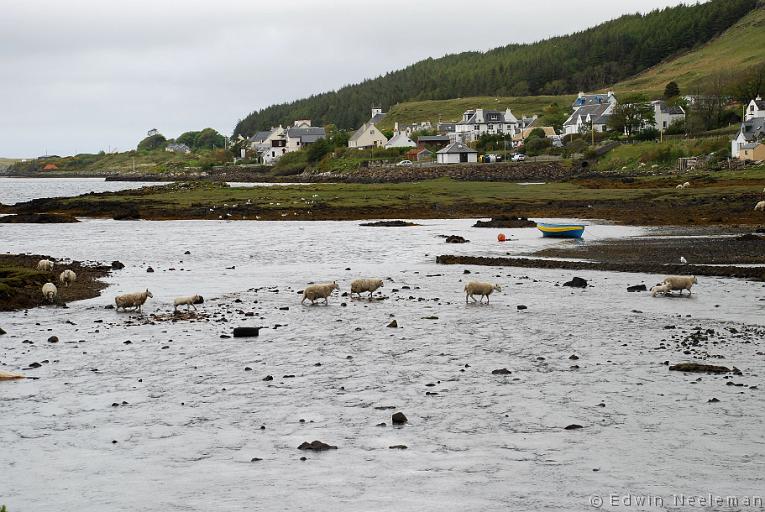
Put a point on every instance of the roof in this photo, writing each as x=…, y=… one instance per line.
x=260, y=136
x=400, y=139
x=673, y=110
x=434, y=138
x=377, y=118
x=50, y=167
x=759, y=102
x=456, y=148
x=590, y=99
x=481, y=116
x=549, y=131
x=178, y=147
x=307, y=134
x=753, y=129
x=597, y=113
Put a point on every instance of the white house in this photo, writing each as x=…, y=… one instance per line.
x=751, y=131
x=666, y=115
x=755, y=109
x=302, y=135
x=400, y=140
x=593, y=116
x=177, y=148
x=584, y=100
x=273, y=144
x=369, y=136
x=457, y=153
x=478, y=122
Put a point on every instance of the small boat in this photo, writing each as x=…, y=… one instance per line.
x=561, y=230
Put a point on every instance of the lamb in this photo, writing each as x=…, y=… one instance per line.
x=190, y=300
x=760, y=207
x=686, y=184
x=366, y=285
x=319, y=291
x=660, y=289
x=45, y=266
x=132, y=300
x=67, y=277
x=49, y=291
x=680, y=283
x=482, y=289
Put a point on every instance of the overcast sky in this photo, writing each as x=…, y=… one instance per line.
x=90, y=75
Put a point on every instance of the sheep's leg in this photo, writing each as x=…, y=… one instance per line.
x=466, y=297
x=326, y=301
x=193, y=306
x=370, y=295
x=487, y=299
x=472, y=297
x=303, y=301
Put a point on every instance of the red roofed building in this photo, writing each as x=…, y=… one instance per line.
x=50, y=167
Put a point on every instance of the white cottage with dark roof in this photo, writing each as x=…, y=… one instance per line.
x=475, y=123
x=457, y=153
x=756, y=108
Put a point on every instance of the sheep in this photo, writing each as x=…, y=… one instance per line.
x=67, y=277
x=660, y=289
x=132, y=300
x=686, y=184
x=366, y=285
x=760, y=207
x=49, y=291
x=679, y=187
x=482, y=289
x=680, y=283
x=45, y=266
x=190, y=300
x=319, y=291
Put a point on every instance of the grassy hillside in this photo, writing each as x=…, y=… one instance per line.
x=740, y=47
x=451, y=110
x=587, y=60
x=7, y=162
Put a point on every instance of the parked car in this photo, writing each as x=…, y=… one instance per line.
x=519, y=157
x=404, y=163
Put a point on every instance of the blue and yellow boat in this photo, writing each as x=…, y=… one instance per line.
x=561, y=230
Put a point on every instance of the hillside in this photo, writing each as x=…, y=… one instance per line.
x=740, y=47
x=587, y=60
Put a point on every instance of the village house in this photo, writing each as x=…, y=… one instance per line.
x=591, y=112
x=369, y=136
x=753, y=152
x=751, y=132
x=302, y=134
x=177, y=148
x=666, y=115
x=457, y=153
x=273, y=144
x=439, y=141
x=400, y=140
x=478, y=122
x=419, y=154
x=755, y=109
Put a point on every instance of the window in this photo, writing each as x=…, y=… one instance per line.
x=491, y=127
x=371, y=132
x=478, y=127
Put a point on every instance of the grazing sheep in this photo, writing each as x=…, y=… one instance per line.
x=660, y=289
x=190, y=300
x=49, y=291
x=45, y=266
x=366, y=285
x=132, y=300
x=482, y=289
x=67, y=277
x=760, y=207
x=679, y=187
x=319, y=291
x=686, y=184
x=680, y=283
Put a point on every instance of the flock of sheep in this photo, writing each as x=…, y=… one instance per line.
x=49, y=290
x=759, y=207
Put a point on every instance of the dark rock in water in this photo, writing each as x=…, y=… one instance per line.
x=576, y=282
x=189, y=252
x=573, y=357
x=316, y=446
x=35, y=365
x=699, y=368
x=255, y=459
x=750, y=237
x=501, y=371
x=2, y=331
x=398, y=447
x=573, y=426
x=398, y=418
x=129, y=214
x=456, y=239
x=713, y=401
x=117, y=265
x=393, y=324
x=466, y=271
x=38, y=218
x=389, y=224
x=246, y=332
x=637, y=288
x=284, y=308
x=521, y=307
x=268, y=378
x=53, y=339
x=150, y=270
x=505, y=221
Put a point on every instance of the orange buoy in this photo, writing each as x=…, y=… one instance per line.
x=501, y=237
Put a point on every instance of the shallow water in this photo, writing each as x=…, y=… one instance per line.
x=18, y=190
x=193, y=418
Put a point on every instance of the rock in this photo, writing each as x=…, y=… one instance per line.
x=246, y=332
x=637, y=288
x=505, y=222
x=393, y=324
x=255, y=459
x=398, y=447
x=456, y=239
x=2, y=331
x=699, y=368
x=129, y=214
x=38, y=218
x=750, y=237
x=316, y=446
x=189, y=252
x=117, y=265
x=466, y=271
x=521, y=307
x=398, y=418
x=268, y=378
x=573, y=426
x=576, y=282
x=501, y=371
x=713, y=401
x=53, y=339
x=389, y=224
x=150, y=270
x=573, y=357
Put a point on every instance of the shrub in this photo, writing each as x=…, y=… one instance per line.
x=152, y=142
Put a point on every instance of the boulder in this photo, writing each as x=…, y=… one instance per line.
x=393, y=324
x=399, y=418
x=117, y=265
x=316, y=446
x=699, y=368
x=246, y=332
x=576, y=282
x=389, y=224
x=637, y=288
x=456, y=239
x=501, y=371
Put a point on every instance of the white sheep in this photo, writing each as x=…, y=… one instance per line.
x=660, y=289
x=319, y=291
x=45, y=266
x=190, y=300
x=679, y=187
x=482, y=289
x=49, y=291
x=760, y=207
x=67, y=277
x=366, y=285
x=680, y=283
x=686, y=184
x=132, y=300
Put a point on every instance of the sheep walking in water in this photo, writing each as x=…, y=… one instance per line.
x=67, y=277
x=189, y=301
x=45, y=266
x=366, y=285
x=319, y=291
x=49, y=291
x=482, y=289
x=662, y=289
x=132, y=300
x=680, y=283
